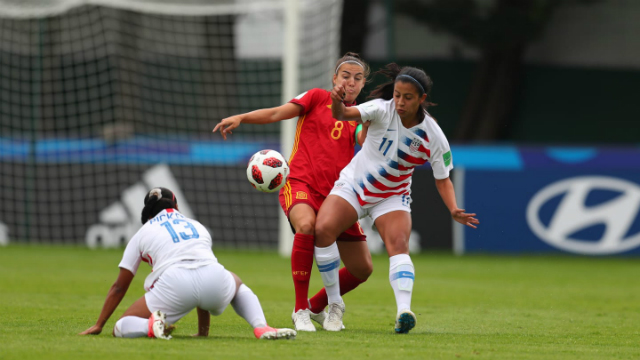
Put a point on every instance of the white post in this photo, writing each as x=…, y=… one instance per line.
x=290, y=81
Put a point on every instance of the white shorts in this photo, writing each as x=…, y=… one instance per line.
x=393, y=203
x=180, y=290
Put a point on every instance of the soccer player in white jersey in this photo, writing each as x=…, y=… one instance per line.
x=377, y=182
x=186, y=275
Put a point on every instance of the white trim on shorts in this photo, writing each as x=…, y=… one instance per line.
x=390, y=204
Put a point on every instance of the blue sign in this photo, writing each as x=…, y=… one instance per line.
x=543, y=209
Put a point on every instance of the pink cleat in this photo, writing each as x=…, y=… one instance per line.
x=158, y=326
x=269, y=333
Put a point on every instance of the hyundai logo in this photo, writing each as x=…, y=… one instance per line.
x=572, y=215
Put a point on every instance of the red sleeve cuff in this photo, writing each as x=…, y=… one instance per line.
x=297, y=102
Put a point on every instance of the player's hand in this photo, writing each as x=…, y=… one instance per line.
x=227, y=124
x=465, y=219
x=338, y=93
x=94, y=330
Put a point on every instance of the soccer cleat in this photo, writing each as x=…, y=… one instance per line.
x=405, y=321
x=333, y=321
x=302, y=321
x=158, y=326
x=319, y=317
x=269, y=333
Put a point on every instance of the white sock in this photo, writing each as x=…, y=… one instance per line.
x=328, y=261
x=247, y=305
x=131, y=327
x=401, y=276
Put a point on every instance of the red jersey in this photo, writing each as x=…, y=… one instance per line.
x=323, y=146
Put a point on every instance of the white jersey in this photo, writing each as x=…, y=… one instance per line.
x=384, y=165
x=168, y=239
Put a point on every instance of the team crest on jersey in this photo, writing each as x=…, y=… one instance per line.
x=415, y=145
x=301, y=195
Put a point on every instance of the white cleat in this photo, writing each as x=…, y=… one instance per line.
x=158, y=326
x=333, y=321
x=269, y=333
x=405, y=321
x=302, y=321
x=319, y=317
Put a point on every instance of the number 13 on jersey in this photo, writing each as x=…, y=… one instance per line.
x=187, y=226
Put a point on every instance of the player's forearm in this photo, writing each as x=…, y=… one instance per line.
x=114, y=297
x=204, y=319
x=362, y=135
x=262, y=116
x=271, y=115
x=337, y=109
x=447, y=193
x=343, y=113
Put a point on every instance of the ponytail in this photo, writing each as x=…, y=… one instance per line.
x=385, y=91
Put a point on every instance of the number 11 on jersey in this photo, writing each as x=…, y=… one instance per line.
x=384, y=140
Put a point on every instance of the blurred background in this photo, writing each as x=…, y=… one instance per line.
x=102, y=100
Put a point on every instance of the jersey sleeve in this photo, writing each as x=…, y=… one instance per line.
x=307, y=100
x=441, y=161
x=371, y=110
x=131, y=257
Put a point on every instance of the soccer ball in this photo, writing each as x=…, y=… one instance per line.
x=267, y=171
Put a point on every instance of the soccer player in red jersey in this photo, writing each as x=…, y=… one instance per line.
x=322, y=147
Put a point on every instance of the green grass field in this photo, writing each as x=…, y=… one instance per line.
x=475, y=307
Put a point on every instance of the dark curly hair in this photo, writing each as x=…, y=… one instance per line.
x=157, y=200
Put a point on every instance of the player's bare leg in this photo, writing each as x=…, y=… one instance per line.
x=335, y=216
x=356, y=257
x=246, y=304
x=395, y=229
x=357, y=268
x=303, y=220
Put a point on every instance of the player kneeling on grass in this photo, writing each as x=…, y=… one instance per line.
x=186, y=275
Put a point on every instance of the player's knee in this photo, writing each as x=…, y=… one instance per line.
x=397, y=245
x=363, y=271
x=324, y=234
x=368, y=270
x=117, y=332
x=306, y=228
x=320, y=229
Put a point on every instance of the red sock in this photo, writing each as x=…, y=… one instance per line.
x=301, y=264
x=348, y=282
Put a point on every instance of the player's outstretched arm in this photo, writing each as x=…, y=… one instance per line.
x=204, y=320
x=338, y=110
x=114, y=297
x=262, y=116
x=448, y=195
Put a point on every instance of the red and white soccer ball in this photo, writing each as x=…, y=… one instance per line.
x=267, y=171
